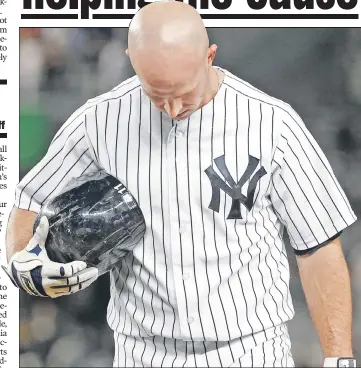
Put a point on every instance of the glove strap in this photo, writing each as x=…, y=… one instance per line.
x=30, y=282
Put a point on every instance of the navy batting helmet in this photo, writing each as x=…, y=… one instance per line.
x=95, y=220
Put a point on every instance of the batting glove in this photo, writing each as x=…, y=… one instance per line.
x=31, y=269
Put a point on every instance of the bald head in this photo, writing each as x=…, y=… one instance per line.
x=169, y=50
x=162, y=27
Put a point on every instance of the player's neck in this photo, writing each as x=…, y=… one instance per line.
x=216, y=78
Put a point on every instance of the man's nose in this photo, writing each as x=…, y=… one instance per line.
x=173, y=107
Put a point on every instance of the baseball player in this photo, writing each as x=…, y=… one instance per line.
x=220, y=170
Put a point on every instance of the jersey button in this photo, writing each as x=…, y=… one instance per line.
x=186, y=276
x=190, y=320
x=179, y=134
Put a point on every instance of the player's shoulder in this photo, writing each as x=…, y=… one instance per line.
x=119, y=92
x=282, y=109
x=285, y=119
x=116, y=94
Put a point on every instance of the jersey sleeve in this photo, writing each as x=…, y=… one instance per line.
x=305, y=193
x=69, y=157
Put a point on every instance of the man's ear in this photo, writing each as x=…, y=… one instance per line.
x=127, y=52
x=212, y=50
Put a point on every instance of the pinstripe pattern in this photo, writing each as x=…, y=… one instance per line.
x=275, y=352
x=201, y=289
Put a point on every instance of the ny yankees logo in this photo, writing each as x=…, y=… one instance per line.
x=233, y=189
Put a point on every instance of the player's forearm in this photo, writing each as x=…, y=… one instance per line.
x=326, y=283
x=19, y=230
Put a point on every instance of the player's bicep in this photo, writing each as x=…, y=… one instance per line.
x=305, y=192
x=69, y=156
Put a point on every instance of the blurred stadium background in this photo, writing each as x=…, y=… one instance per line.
x=317, y=71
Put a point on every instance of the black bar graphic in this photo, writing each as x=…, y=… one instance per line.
x=280, y=16
x=3, y=135
x=3, y=81
x=49, y=16
x=113, y=16
x=246, y=16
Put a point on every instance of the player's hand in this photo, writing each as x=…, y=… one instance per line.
x=32, y=271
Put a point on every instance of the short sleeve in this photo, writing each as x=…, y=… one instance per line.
x=305, y=193
x=69, y=157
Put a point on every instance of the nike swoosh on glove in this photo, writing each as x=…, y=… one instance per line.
x=31, y=269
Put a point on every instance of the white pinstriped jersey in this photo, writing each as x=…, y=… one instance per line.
x=217, y=190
